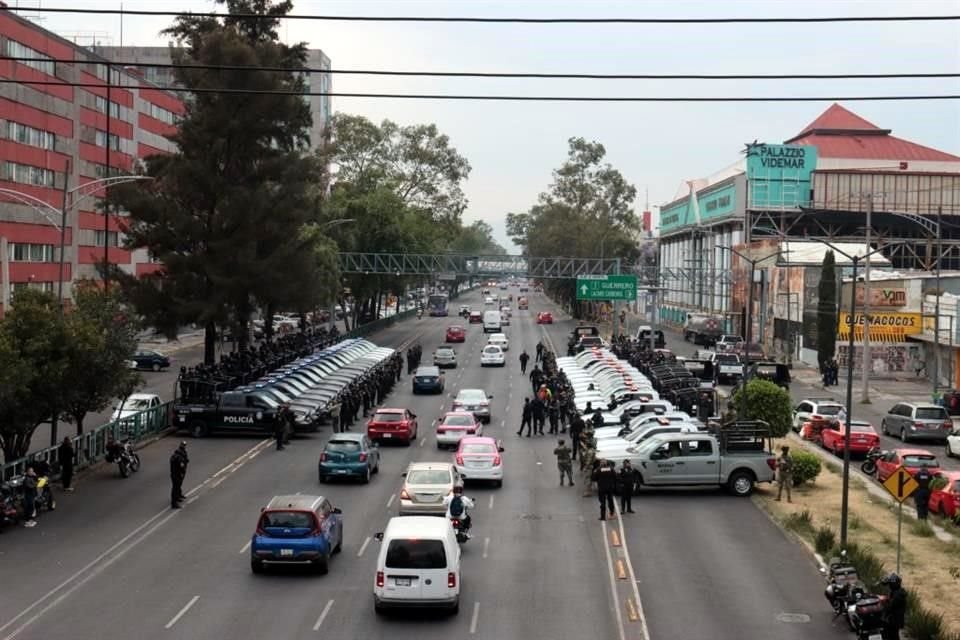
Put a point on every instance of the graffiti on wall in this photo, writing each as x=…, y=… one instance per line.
x=887, y=359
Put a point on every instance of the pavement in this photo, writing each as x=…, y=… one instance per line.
x=696, y=565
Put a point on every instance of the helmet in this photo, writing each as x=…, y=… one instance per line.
x=457, y=489
x=893, y=580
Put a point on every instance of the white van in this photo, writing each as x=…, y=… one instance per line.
x=418, y=565
x=492, y=321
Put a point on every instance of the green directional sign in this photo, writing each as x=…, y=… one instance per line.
x=607, y=287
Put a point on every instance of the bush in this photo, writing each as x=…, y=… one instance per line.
x=824, y=540
x=801, y=522
x=869, y=567
x=922, y=529
x=921, y=623
x=768, y=402
x=806, y=467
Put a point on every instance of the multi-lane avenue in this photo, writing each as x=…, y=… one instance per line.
x=114, y=561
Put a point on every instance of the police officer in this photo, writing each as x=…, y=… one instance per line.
x=527, y=418
x=279, y=425
x=539, y=351
x=606, y=478
x=895, y=609
x=627, y=479
x=178, y=471
x=564, y=462
x=921, y=496
x=730, y=415
x=784, y=473
x=576, y=429
x=524, y=359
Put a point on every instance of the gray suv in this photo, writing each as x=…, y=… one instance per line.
x=915, y=421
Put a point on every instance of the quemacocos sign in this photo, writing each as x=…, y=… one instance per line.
x=910, y=323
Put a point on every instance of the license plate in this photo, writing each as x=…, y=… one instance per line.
x=388, y=435
x=476, y=464
x=874, y=636
x=285, y=553
x=341, y=470
x=405, y=582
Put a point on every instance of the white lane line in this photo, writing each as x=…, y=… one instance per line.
x=476, y=617
x=390, y=501
x=613, y=582
x=423, y=441
x=245, y=548
x=503, y=423
x=363, y=547
x=491, y=500
x=297, y=493
x=180, y=613
x=486, y=547
x=633, y=576
x=323, y=614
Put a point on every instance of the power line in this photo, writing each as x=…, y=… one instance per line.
x=506, y=98
x=492, y=74
x=481, y=20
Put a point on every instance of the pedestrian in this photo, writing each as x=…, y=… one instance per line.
x=921, y=496
x=784, y=473
x=606, y=479
x=553, y=415
x=539, y=412
x=627, y=479
x=178, y=472
x=895, y=608
x=279, y=423
x=564, y=462
x=30, y=497
x=65, y=455
x=576, y=429
x=527, y=418
x=335, y=416
x=539, y=351
x=524, y=359
x=730, y=415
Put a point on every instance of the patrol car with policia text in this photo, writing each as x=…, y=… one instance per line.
x=246, y=411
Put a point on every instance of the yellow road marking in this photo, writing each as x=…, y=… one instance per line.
x=621, y=570
x=614, y=538
x=632, y=610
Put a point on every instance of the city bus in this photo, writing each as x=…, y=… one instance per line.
x=437, y=304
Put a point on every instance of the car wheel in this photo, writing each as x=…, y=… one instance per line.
x=339, y=547
x=256, y=566
x=498, y=484
x=198, y=430
x=366, y=476
x=740, y=484
x=883, y=428
x=379, y=609
x=455, y=609
x=323, y=479
x=903, y=435
x=322, y=565
x=155, y=367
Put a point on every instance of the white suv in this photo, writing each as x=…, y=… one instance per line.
x=827, y=407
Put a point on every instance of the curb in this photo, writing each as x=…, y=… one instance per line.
x=790, y=535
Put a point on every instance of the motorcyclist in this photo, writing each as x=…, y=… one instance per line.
x=895, y=609
x=457, y=507
x=419, y=312
x=114, y=449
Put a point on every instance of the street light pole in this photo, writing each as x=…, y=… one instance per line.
x=333, y=298
x=866, y=364
x=936, y=309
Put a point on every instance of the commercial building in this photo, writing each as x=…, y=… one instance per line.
x=56, y=142
x=163, y=76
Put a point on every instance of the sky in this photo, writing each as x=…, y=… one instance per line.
x=513, y=147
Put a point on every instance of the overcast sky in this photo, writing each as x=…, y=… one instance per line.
x=514, y=146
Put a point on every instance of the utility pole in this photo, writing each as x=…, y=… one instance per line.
x=936, y=309
x=866, y=364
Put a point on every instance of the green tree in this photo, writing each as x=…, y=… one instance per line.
x=225, y=213
x=765, y=401
x=34, y=360
x=827, y=311
x=102, y=339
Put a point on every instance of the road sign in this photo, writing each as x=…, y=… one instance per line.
x=900, y=484
x=622, y=287
x=446, y=276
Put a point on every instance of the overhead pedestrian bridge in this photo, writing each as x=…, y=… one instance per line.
x=453, y=265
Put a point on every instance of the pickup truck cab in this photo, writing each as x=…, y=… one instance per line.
x=233, y=411
x=735, y=460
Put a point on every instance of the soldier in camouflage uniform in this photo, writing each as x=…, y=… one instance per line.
x=588, y=455
x=564, y=461
x=730, y=415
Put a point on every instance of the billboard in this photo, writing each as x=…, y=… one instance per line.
x=779, y=175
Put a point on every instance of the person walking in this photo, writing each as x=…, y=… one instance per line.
x=627, y=479
x=606, y=479
x=784, y=473
x=65, y=455
x=539, y=351
x=527, y=418
x=30, y=497
x=576, y=429
x=524, y=359
x=921, y=496
x=279, y=424
x=178, y=472
x=564, y=462
x=553, y=415
x=539, y=412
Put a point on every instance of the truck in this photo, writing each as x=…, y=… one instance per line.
x=703, y=329
x=735, y=456
x=230, y=411
x=729, y=368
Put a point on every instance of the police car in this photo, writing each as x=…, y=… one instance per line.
x=234, y=411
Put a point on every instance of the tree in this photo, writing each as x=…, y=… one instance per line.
x=827, y=311
x=102, y=339
x=765, y=401
x=34, y=360
x=225, y=213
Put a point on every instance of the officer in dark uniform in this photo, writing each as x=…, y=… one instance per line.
x=178, y=471
x=895, y=609
x=921, y=496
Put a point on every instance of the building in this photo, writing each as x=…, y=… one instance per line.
x=54, y=140
x=818, y=184
x=164, y=76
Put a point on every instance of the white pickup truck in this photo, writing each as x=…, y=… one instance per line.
x=736, y=462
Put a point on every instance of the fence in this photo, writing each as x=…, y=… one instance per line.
x=89, y=447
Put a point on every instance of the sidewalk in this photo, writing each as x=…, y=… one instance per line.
x=181, y=342
x=881, y=391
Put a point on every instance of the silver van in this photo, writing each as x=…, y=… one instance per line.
x=916, y=421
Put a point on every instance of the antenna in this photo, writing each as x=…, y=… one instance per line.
x=33, y=17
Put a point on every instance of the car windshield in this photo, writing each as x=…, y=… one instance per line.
x=471, y=395
x=455, y=327
x=830, y=410
x=478, y=448
x=287, y=520
x=343, y=446
x=428, y=476
x=384, y=416
x=491, y=349
x=920, y=461
x=956, y=486
x=416, y=554
x=861, y=428
x=931, y=413
x=137, y=405
x=458, y=421
x=444, y=352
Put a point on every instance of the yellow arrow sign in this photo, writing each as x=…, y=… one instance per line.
x=901, y=484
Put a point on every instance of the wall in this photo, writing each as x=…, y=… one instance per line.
x=889, y=360
x=715, y=202
x=916, y=193
x=779, y=175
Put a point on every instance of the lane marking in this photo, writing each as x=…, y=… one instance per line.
x=363, y=547
x=613, y=582
x=614, y=538
x=390, y=501
x=245, y=548
x=633, y=575
x=631, y=610
x=486, y=546
x=323, y=614
x=503, y=423
x=621, y=570
x=423, y=441
x=491, y=500
x=180, y=613
x=476, y=618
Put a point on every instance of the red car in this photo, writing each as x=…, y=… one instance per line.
x=910, y=459
x=862, y=437
x=476, y=317
x=455, y=333
x=946, y=499
x=392, y=424
x=544, y=317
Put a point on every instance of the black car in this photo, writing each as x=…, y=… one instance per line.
x=151, y=360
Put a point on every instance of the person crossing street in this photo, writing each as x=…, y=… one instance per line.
x=564, y=462
x=524, y=359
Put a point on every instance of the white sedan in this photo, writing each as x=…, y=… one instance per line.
x=134, y=404
x=492, y=356
x=499, y=340
x=488, y=300
x=953, y=443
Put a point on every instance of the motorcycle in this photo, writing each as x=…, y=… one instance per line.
x=11, y=507
x=842, y=579
x=419, y=314
x=461, y=526
x=129, y=460
x=45, y=500
x=865, y=615
x=869, y=465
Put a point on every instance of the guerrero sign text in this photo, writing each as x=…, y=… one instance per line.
x=607, y=288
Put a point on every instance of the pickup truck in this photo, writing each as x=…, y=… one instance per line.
x=735, y=460
x=232, y=411
x=728, y=367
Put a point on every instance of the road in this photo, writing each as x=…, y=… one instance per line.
x=113, y=560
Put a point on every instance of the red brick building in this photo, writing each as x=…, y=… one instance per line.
x=56, y=138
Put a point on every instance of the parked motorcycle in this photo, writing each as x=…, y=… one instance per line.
x=869, y=465
x=129, y=460
x=11, y=506
x=842, y=579
x=865, y=615
x=45, y=500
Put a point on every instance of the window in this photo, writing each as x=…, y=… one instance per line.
x=416, y=554
x=101, y=140
x=112, y=236
x=101, y=72
x=26, y=174
x=699, y=448
x=101, y=104
x=36, y=286
x=102, y=171
x=28, y=135
x=26, y=252
x=16, y=50
x=162, y=114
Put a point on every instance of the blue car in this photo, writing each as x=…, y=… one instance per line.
x=297, y=530
x=349, y=455
x=428, y=380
